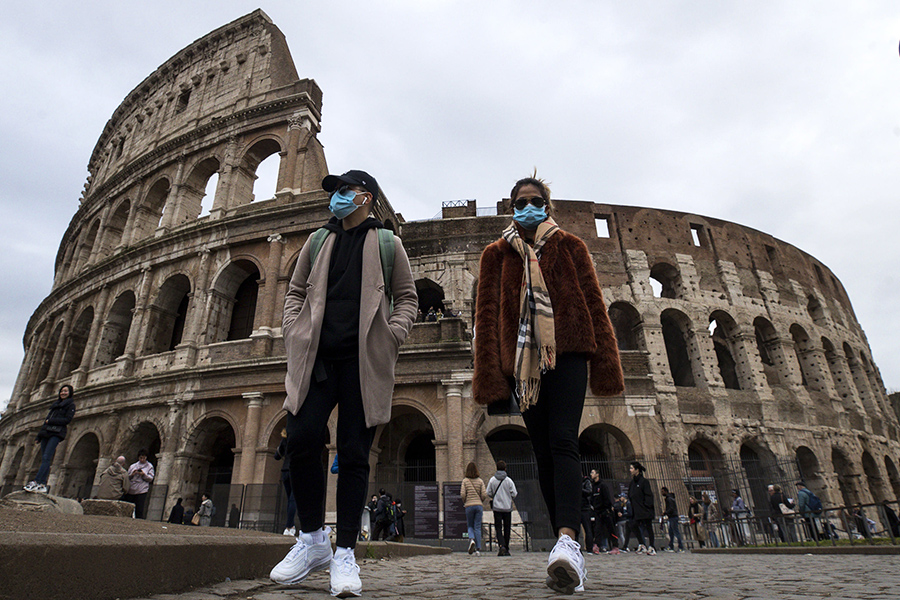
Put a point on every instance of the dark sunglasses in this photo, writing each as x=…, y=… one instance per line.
x=536, y=201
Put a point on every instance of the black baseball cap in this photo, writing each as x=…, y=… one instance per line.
x=360, y=178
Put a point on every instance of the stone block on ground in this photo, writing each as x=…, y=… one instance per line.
x=38, y=502
x=107, y=508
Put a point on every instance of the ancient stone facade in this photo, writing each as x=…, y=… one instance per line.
x=168, y=322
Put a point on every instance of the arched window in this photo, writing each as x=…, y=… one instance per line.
x=431, y=296
x=233, y=302
x=150, y=212
x=723, y=330
x=626, y=322
x=115, y=227
x=167, y=315
x=805, y=359
x=665, y=281
x=116, y=330
x=253, y=180
x=76, y=342
x=196, y=190
x=770, y=351
x=815, y=310
x=676, y=329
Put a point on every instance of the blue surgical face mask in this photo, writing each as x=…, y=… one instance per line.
x=530, y=216
x=342, y=204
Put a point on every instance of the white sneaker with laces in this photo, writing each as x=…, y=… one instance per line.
x=565, y=567
x=29, y=487
x=345, y=581
x=291, y=531
x=41, y=488
x=302, y=559
x=651, y=551
x=641, y=549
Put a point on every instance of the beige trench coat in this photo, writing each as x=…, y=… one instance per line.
x=381, y=332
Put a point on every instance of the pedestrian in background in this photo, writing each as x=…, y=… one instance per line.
x=671, y=514
x=541, y=323
x=177, y=514
x=51, y=433
x=641, y=498
x=206, y=510
x=290, y=527
x=502, y=491
x=473, y=494
x=710, y=518
x=114, y=480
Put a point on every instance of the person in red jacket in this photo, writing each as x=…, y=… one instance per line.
x=542, y=333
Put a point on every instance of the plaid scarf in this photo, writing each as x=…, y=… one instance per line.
x=536, y=340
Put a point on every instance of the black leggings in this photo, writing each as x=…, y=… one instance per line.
x=552, y=425
x=503, y=525
x=307, y=431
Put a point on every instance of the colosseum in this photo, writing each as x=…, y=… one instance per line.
x=745, y=364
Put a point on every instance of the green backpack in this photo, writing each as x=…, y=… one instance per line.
x=385, y=250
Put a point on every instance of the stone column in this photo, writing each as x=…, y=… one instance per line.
x=251, y=435
x=174, y=199
x=128, y=233
x=198, y=311
x=273, y=271
x=222, y=202
x=452, y=392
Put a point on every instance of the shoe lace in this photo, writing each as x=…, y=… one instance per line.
x=346, y=564
x=569, y=544
x=297, y=548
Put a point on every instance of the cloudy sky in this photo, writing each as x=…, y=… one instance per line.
x=780, y=115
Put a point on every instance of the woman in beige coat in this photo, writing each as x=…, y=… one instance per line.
x=473, y=494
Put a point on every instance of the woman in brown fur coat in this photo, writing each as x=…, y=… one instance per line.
x=540, y=322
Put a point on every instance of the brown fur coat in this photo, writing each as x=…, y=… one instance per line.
x=579, y=316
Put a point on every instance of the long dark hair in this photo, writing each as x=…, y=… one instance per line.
x=71, y=391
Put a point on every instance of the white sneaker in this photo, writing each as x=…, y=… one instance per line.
x=471, y=546
x=565, y=567
x=291, y=531
x=41, y=488
x=29, y=487
x=345, y=581
x=651, y=551
x=641, y=549
x=302, y=559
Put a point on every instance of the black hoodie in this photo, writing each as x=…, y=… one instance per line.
x=340, y=325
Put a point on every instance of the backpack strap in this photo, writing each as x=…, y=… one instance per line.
x=386, y=251
x=317, y=240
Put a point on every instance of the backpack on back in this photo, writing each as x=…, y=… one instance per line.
x=814, y=504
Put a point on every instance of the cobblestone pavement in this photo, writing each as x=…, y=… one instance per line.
x=625, y=577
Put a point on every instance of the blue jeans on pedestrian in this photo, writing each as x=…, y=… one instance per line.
x=48, y=450
x=675, y=532
x=473, y=520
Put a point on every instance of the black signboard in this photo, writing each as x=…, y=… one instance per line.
x=425, y=510
x=454, y=513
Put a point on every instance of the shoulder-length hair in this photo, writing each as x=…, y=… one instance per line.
x=471, y=470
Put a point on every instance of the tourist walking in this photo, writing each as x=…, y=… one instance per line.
x=52, y=432
x=695, y=520
x=671, y=514
x=290, y=527
x=710, y=518
x=206, y=511
x=540, y=321
x=605, y=538
x=176, y=516
x=473, y=494
x=502, y=491
x=349, y=306
x=140, y=476
x=641, y=497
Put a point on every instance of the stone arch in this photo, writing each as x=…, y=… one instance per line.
x=76, y=342
x=81, y=467
x=810, y=471
x=893, y=476
x=114, y=230
x=144, y=435
x=86, y=246
x=114, y=337
x=805, y=358
x=209, y=450
x=406, y=449
x=873, y=477
x=150, y=211
x=628, y=325
x=724, y=332
x=168, y=312
x=511, y=444
x=834, y=369
x=232, y=304
x=860, y=381
x=46, y=356
x=244, y=176
x=431, y=295
x=759, y=469
x=815, y=310
x=846, y=476
x=706, y=468
x=605, y=448
x=770, y=352
x=665, y=279
x=193, y=189
x=678, y=335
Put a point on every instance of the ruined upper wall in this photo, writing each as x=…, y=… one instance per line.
x=240, y=65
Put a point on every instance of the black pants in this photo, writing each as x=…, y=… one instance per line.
x=382, y=531
x=503, y=525
x=587, y=523
x=552, y=425
x=307, y=432
x=644, y=527
x=604, y=530
x=139, y=501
